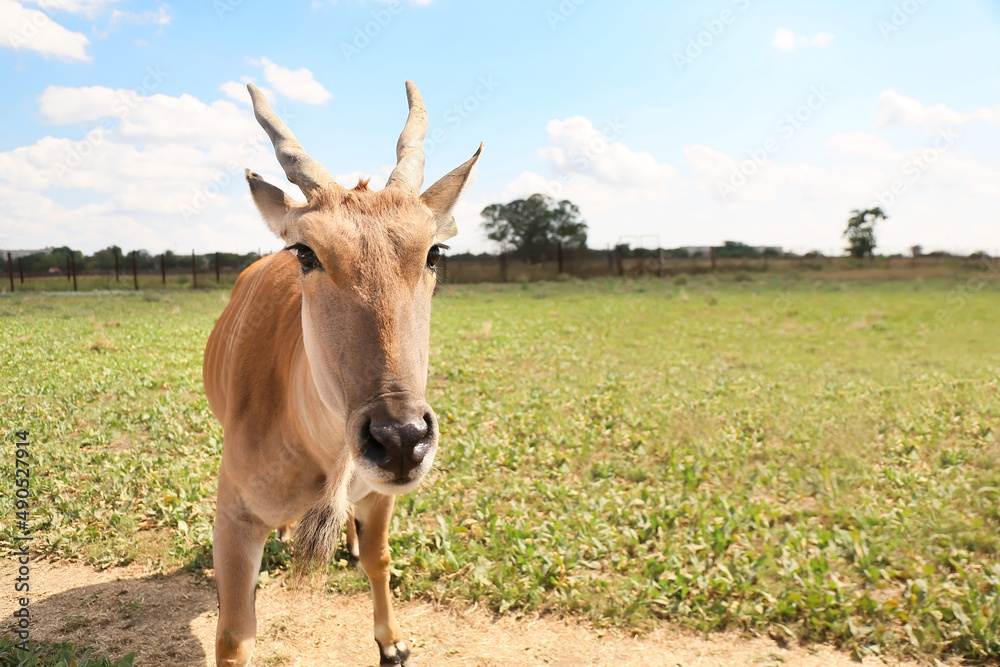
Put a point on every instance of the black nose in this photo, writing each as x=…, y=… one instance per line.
x=397, y=447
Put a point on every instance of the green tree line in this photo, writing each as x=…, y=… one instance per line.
x=103, y=261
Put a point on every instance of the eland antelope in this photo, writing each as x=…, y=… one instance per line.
x=317, y=371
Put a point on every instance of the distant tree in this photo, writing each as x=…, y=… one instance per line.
x=103, y=260
x=917, y=250
x=535, y=225
x=860, y=231
x=735, y=249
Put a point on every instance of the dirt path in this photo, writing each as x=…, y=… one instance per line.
x=171, y=621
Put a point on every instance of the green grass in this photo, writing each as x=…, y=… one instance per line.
x=817, y=459
x=106, y=282
x=62, y=654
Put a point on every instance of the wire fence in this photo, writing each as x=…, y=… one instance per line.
x=135, y=271
x=636, y=265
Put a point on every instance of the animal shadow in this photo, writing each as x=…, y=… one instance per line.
x=150, y=616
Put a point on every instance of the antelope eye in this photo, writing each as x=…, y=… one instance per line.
x=307, y=258
x=433, y=255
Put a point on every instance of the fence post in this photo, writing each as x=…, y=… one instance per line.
x=217, y=280
x=659, y=262
x=711, y=254
x=72, y=261
x=163, y=268
x=20, y=269
x=135, y=273
x=10, y=270
x=116, y=266
x=559, y=255
x=194, y=272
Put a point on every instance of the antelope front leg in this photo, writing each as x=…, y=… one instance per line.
x=372, y=514
x=352, y=537
x=238, y=545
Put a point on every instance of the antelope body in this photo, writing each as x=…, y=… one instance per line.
x=317, y=370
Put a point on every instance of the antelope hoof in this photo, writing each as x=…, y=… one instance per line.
x=395, y=654
x=232, y=653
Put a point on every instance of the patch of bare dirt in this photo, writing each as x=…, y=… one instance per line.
x=170, y=621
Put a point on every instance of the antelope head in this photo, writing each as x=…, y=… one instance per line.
x=367, y=276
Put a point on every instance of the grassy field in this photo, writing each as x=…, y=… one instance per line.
x=819, y=460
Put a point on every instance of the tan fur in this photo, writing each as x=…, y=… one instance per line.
x=302, y=362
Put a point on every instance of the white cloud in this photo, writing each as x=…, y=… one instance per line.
x=33, y=30
x=604, y=176
x=297, y=84
x=822, y=39
x=864, y=145
x=893, y=110
x=162, y=16
x=235, y=90
x=149, y=118
x=378, y=177
x=786, y=41
x=148, y=173
x=800, y=203
x=576, y=146
x=87, y=8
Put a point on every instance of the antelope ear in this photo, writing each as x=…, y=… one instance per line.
x=441, y=197
x=272, y=202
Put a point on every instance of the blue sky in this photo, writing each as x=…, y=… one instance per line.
x=763, y=121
